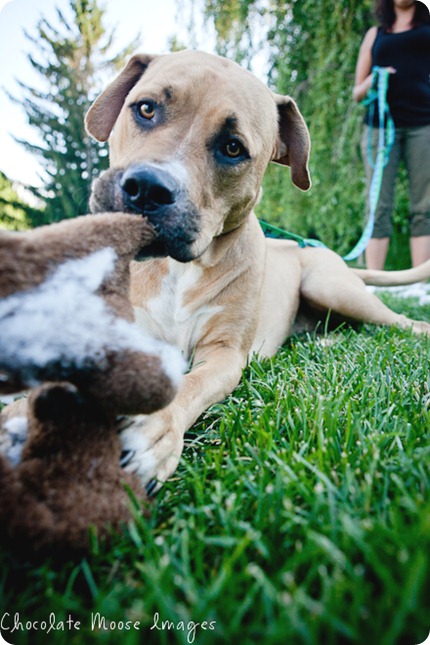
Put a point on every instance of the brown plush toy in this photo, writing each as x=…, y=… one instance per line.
x=65, y=317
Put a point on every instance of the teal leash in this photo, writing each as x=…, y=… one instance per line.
x=377, y=95
x=385, y=144
x=270, y=230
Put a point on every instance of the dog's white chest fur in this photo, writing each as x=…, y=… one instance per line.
x=169, y=317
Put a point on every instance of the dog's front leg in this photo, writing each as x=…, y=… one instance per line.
x=153, y=443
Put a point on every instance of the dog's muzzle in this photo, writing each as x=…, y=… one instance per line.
x=150, y=190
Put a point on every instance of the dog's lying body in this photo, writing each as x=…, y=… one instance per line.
x=191, y=135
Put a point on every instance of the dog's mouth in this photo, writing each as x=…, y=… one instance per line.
x=154, y=250
x=173, y=216
x=170, y=241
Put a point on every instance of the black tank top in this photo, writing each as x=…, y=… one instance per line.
x=409, y=89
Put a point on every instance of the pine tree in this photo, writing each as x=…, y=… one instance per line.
x=72, y=60
x=15, y=214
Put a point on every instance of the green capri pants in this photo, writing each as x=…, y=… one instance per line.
x=412, y=145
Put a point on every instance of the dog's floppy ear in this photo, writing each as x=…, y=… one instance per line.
x=293, y=143
x=103, y=113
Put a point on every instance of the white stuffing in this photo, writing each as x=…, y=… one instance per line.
x=63, y=321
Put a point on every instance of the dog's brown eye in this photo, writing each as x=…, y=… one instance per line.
x=233, y=148
x=147, y=110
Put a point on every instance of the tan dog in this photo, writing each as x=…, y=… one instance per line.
x=190, y=137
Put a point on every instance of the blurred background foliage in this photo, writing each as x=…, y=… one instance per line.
x=14, y=213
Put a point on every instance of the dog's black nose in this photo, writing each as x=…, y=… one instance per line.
x=146, y=188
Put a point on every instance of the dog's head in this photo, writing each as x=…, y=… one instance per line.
x=190, y=137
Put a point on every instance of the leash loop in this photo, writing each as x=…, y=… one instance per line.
x=385, y=143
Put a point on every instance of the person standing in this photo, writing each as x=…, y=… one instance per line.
x=401, y=43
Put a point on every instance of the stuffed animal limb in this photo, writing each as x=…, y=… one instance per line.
x=69, y=478
x=65, y=312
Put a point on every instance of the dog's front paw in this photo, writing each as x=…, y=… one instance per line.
x=151, y=447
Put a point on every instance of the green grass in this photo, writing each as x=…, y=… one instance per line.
x=300, y=513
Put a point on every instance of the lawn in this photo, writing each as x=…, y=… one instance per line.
x=300, y=514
